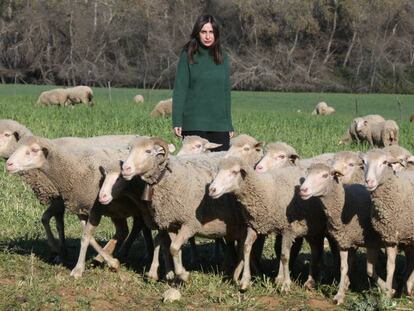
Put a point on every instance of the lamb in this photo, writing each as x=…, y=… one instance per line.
x=80, y=94
x=348, y=212
x=179, y=203
x=58, y=97
x=352, y=132
x=63, y=168
x=138, y=99
x=323, y=109
x=271, y=205
x=162, y=109
x=349, y=165
x=194, y=144
x=392, y=213
x=379, y=134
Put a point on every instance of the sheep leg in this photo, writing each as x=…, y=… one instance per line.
x=60, y=227
x=121, y=232
x=336, y=261
x=296, y=247
x=248, y=243
x=257, y=251
x=177, y=240
x=409, y=273
x=372, y=257
x=239, y=267
x=195, y=258
x=287, y=241
x=344, y=282
x=316, y=246
x=165, y=242
x=391, y=255
x=230, y=256
x=153, y=271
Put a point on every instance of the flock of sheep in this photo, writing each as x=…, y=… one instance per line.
x=83, y=95
x=236, y=197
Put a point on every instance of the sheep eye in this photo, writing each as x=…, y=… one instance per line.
x=282, y=156
x=27, y=152
x=35, y=150
x=351, y=164
x=246, y=148
x=385, y=162
x=234, y=172
x=7, y=134
x=198, y=146
x=148, y=151
x=325, y=175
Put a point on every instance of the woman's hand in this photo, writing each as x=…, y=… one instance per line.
x=177, y=131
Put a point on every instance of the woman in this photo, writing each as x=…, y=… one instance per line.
x=201, y=97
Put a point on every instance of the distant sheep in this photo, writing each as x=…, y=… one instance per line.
x=323, y=109
x=80, y=95
x=163, y=108
x=412, y=118
x=138, y=99
x=351, y=133
x=380, y=134
x=55, y=97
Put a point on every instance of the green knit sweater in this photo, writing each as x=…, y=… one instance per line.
x=201, y=97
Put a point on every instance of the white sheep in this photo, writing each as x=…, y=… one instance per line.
x=80, y=94
x=271, y=205
x=392, y=214
x=379, y=134
x=179, y=203
x=194, y=144
x=162, y=109
x=349, y=164
x=64, y=168
x=402, y=158
x=348, y=213
x=138, y=99
x=352, y=132
x=58, y=97
x=323, y=109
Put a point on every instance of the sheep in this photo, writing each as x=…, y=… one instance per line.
x=350, y=165
x=392, y=213
x=179, y=203
x=323, y=109
x=80, y=94
x=58, y=97
x=403, y=159
x=271, y=205
x=412, y=118
x=77, y=177
x=379, y=134
x=348, y=213
x=138, y=99
x=162, y=109
x=194, y=144
x=352, y=132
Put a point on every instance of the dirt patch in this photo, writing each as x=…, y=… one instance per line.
x=269, y=302
x=323, y=305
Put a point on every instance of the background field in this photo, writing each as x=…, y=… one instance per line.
x=30, y=281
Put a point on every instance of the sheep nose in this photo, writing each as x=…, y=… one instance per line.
x=370, y=183
x=102, y=196
x=9, y=165
x=126, y=168
x=303, y=190
x=259, y=168
x=212, y=191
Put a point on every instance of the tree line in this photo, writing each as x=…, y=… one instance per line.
x=285, y=45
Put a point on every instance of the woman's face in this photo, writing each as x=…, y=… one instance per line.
x=207, y=35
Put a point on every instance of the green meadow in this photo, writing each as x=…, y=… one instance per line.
x=30, y=281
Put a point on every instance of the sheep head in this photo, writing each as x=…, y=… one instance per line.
x=10, y=134
x=277, y=155
x=32, y=152
x=347, y=163
x=229, y=178
x=148, y=158
x=194, y=144
x=377, y=168
x=318, y=181
x=247, y=148
x=112, y=184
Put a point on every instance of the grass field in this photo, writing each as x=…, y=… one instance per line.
x=30, y=281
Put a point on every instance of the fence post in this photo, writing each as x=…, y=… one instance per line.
x=109, y=92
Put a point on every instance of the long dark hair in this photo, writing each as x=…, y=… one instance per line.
x=192, y=46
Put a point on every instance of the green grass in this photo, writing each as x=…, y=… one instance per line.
x=28, y=279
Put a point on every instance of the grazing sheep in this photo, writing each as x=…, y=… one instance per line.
x=349, y=165
x=58, y=97
x=194, y=144
x=378, y=134
x=348, y=213
x=179, y=202
x=352, y=132
x=162, y=109
x=138, y=99
x=323, y=109
x=392, y=213
x=80, y=94
x=77, y=177
x=271, y=204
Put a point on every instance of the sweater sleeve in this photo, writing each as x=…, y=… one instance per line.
x=181, y=84
x=228, y=90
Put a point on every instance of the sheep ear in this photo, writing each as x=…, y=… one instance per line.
x=243, y=173
x=45, y=152
x=171, y=148
x=336, y=175
x=365, y=122
x=410, y=159
x=17, y=136
x=259, y=146
x=293, y=158
x=212, y=145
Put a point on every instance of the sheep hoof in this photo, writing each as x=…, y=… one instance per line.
x=339, y=298
x=310, y=284
x=153, y=276
x=184, y=276
x=98, y=260
x=244, y=285
x=114, y=265
x=170, y=276
x=77, y=272
x=286, y=287
x=279, y=280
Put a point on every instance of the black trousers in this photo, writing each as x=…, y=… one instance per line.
x=222, y=138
